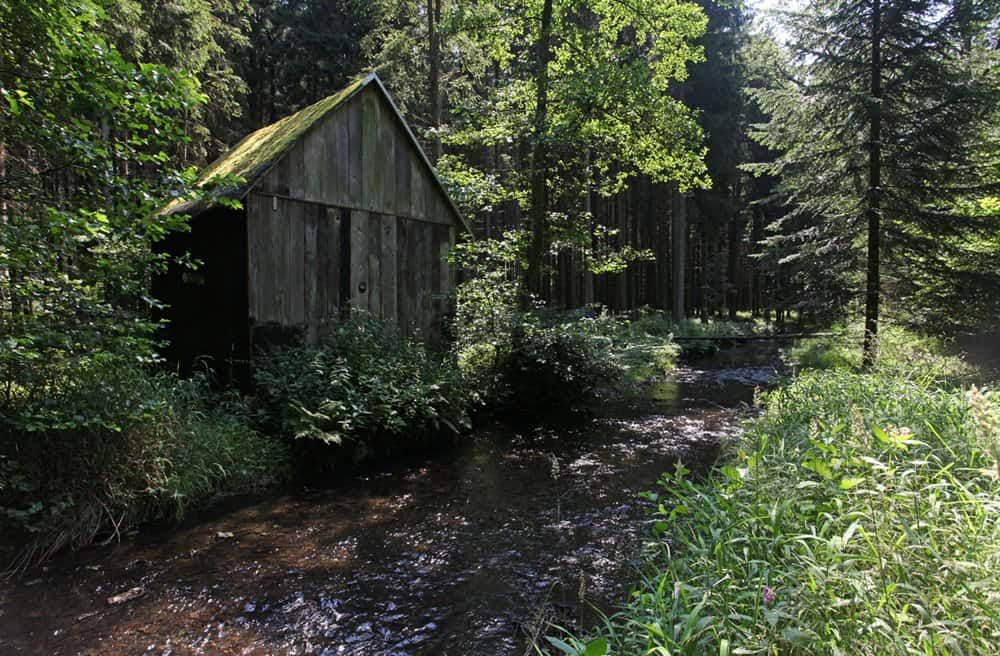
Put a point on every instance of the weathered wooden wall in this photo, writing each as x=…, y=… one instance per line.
x=350, y=217
x=358, y=157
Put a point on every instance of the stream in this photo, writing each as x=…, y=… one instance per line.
x=470, y=551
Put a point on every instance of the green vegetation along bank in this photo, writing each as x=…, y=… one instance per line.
x=135, y=444
x=857, y=515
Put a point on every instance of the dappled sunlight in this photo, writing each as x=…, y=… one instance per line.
x=456, y=549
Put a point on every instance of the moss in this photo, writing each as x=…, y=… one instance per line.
x=259, y=149
x=255, y=153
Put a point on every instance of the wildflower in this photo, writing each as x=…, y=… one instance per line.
x=768, y=596
x=901, y=435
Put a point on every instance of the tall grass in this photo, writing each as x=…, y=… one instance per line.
x=119, y=447
x=859, y=515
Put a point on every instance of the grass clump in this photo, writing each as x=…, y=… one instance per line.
x=901, y=351
x=113, y=446
x=857, y=516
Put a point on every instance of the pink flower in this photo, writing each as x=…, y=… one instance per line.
x=768, y=596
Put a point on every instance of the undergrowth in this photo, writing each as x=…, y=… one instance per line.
x=114, y=446
x=363, y=390
x=858, y=515
x=900, y=351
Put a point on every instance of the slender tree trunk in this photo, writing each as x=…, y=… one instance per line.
x=873, y=286
x=588, y=209
x=6, y=298
x=706, y=279
x=662, y=248
x=732, y=266
x=756, y=235
x=963, y=9
x=678, y=245
x=539, y=158
x=434, y=99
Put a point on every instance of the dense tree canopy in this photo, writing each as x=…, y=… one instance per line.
x=87, y=152
x=607, y=139
x=879, y=126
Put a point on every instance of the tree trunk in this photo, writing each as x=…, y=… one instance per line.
x=678, y=243
x=434, y=98
x=588, y=209
x=705, y=258
x=756, y=236
x=732, y=266
x=539, y=159
x=6, y=298
x=963, y=10
x=662, y=249
x=874, y=191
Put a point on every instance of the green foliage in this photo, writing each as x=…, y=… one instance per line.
x=639, y=343
x=611, y=108
x=84, y=142
x=551, y=366
x=901, y=352
x=857, y=516
x=825, y=353
x=487, y=306
x=199, y=39
x=87, y=140
x=362, y=389
x=516, y=361
x=937, y=145
x=690, y=330
x=131, y=447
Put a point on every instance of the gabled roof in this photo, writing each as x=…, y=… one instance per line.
x=260, y=151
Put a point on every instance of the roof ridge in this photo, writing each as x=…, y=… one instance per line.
x=260, y=151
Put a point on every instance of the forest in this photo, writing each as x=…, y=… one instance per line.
x=563, y=327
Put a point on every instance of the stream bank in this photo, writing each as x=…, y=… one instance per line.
x=452, y=553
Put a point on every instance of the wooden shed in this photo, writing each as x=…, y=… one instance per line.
x=340, y=209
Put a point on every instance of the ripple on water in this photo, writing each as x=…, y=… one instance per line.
x=449, y=554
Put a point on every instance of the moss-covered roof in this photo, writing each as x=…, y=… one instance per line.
x=258, y=150
x=254, y=155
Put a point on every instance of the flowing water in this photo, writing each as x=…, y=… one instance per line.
x=465, y=552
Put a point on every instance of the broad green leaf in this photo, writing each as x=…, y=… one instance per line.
x=596, y=647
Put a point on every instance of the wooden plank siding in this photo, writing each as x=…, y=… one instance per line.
x=358, y=157
x=359, y=261
x=390, y=271
x=351, y=217
x=398, y=267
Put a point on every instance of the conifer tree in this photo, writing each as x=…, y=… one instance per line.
x=879, y=126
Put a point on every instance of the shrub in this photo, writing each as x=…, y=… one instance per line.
x=538, y=366
x=362, y=389
x=641, y=342
x=553, y=366
x=858, y=516
x=113, y=445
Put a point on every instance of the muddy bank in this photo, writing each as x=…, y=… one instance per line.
x=455, y=553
